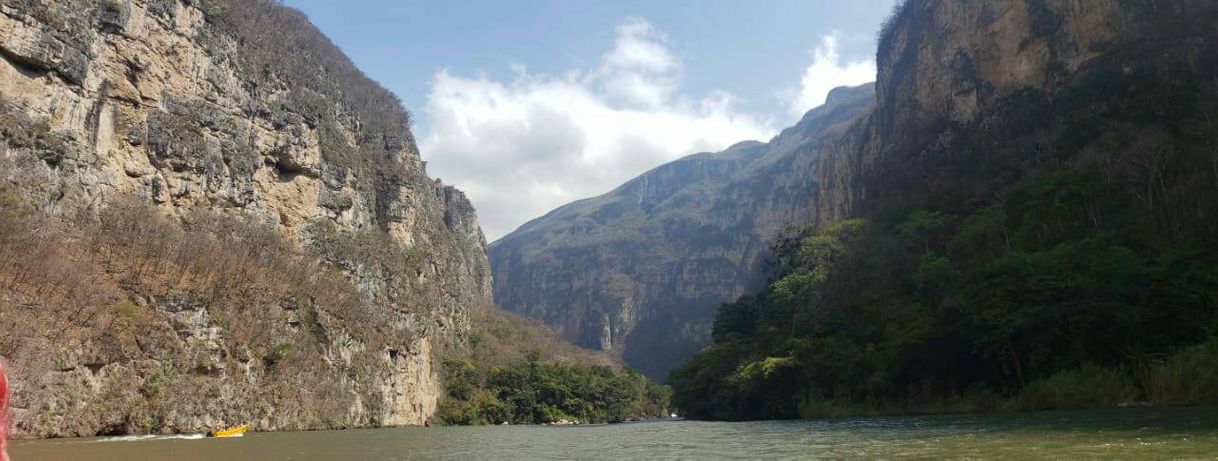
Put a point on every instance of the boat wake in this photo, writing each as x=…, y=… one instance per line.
x=145, y=438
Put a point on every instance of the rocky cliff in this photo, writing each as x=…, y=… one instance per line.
x=970, y=96
x=640, y=271
x=234, y=121
x=974, y=96
x=1035, y=201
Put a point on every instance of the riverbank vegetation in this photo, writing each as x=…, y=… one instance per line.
x=530, y=391
x=1051, y=299
x=518, y=371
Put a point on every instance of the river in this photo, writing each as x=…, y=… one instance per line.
x=1128, y=433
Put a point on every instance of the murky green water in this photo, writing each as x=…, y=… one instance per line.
x=1121, y=433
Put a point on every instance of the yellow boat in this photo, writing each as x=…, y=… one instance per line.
x=235, y=431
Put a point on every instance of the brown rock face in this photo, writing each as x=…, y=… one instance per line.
x=964, y=83
x=243, y=109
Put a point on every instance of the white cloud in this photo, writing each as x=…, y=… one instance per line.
x=523, y=147
x=827, y=72
x=640, y=70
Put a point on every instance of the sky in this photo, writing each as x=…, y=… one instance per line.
x=530, y=104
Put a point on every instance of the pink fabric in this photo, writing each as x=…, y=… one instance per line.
x=3, y=412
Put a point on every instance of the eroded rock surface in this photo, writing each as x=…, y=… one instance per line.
x=239, y=108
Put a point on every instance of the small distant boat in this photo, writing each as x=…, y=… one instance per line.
x=235, y=431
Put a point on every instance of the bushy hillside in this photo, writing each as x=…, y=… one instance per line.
x=1050, y=245
x=517, y=370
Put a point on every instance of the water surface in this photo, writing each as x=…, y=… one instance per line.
x=1127, y=433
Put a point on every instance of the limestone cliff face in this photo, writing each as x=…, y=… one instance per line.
x=961, y=83
x=238, y=108
x=640, y=271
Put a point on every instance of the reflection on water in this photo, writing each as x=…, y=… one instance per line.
x=146, y=438
x=1144, y=432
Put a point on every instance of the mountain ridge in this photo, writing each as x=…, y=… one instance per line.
x=704, y=181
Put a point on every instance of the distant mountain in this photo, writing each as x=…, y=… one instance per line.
x=640, y=271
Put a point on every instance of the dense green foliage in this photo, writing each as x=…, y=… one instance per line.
x=1050, y=284
x=1078, y=270
x=530, y=391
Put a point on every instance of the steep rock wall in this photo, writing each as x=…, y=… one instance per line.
x=242, y=109
x=964, y=83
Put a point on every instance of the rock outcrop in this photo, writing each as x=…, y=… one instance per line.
x=961, y=83
x=234, y=109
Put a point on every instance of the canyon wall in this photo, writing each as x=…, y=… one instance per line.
x=969, y=97
x=234, y=110
x=640, y=271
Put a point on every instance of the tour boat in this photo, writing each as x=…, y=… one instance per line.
x=235, y=431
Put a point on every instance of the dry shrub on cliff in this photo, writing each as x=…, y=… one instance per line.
x=229, y=264
x=888, y=26
x=498, y=337
x=271, y=36
x=76, y=279
x=44, y=287
x=128, y=286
